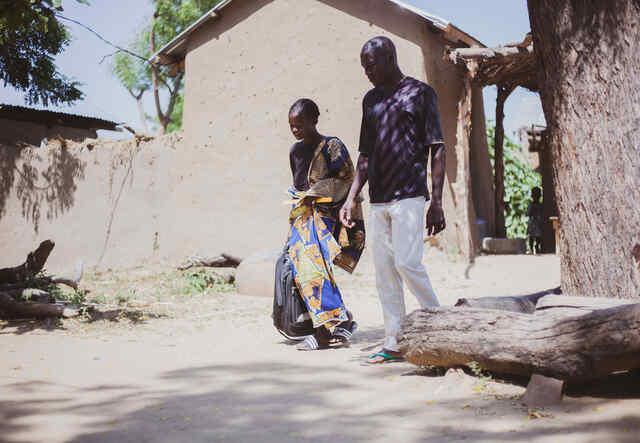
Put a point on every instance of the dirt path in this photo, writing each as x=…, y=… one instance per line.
x=224, y=374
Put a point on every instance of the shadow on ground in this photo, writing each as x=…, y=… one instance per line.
x=278, y=402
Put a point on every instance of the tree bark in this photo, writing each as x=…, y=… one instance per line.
x=143, y=117
x=222, y=261
x=466, y=229
x=498, y=162
x=33, y=264
x=571, y=349
x=587, y=66
x=155, y=78
x=10, y=309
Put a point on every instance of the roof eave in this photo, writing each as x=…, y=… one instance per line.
x=180, y=39
x=450, y=31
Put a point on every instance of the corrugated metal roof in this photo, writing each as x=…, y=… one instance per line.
x=21, y=113
x=434, y=20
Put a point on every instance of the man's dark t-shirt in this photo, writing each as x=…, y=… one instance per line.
x=395, y=135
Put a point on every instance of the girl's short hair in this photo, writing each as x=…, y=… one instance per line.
x=305, y=107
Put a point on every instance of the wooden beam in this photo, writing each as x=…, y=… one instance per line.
x=177, y=68
x=474, y=53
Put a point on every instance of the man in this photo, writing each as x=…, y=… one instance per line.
x=400, y=127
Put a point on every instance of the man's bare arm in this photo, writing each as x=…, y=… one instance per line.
x=435, y=215
x=361, y=177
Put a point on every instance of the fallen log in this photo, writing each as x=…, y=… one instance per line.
x=221, y=261
x=33, y=264
x=30, y=294
x=11, y=309
x=570, y=349
x=525, y=304
x=565, y=305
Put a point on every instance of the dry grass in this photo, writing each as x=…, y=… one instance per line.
x=150, y=296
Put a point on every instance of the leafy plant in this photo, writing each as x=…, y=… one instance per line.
x=99, y=299
x=123, y=299
x=519, y=179
x=199, y=281
x=75, y=297
x=30, y=37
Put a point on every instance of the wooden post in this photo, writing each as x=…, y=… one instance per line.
x=503, y=93
x=465, y=228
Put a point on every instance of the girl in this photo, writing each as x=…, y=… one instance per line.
x=536, y=221
x=322, y=174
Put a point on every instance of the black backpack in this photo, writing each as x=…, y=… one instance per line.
x=290, y=316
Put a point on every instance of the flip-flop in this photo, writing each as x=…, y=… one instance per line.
x=310, y=343
x=341, y=336
x=382, y=357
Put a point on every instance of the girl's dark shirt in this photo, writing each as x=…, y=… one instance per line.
x=300, y=157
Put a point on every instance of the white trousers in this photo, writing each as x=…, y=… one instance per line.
x=397, y=243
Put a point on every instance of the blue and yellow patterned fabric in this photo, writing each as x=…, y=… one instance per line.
x=317, y=240
x=312, y=249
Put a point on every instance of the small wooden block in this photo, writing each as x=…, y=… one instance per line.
x=543, y=391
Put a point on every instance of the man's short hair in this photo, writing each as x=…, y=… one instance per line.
x=380, y=43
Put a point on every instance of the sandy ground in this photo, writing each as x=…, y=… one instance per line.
x=222, y=373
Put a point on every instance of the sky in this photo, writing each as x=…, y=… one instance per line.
x=493, y=22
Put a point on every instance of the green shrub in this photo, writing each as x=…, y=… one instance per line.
x=519, y=178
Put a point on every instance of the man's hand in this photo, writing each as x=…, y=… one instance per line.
x=345, y=213
x=435, y=219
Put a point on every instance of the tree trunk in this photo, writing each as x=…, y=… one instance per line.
x=571, y=349
x=587, y=66
x=143, y=117
x=498, y=162
x=33, y=264
x=155, y=78
x=9, y=308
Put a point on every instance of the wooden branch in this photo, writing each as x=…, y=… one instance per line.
x=71, y=281
x=525, y=304
x=222, y=261
x=30, y=294
x=65, y=281
x=34, y=263
x=576, y=348
x=482, y=53
x=565, y=305
x=528, y=39
x=11, y=309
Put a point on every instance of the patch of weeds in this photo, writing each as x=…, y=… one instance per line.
x=477, y=370
x=197, y=282
x=75, y=297
x=98, y=299
x=124, y=299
